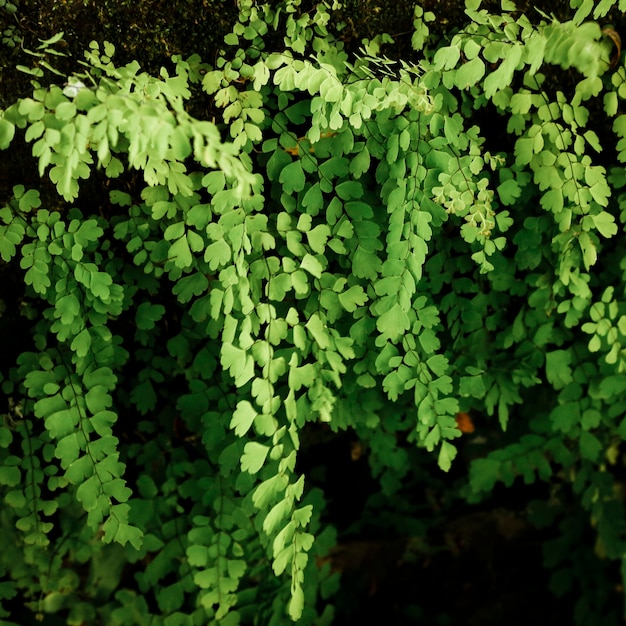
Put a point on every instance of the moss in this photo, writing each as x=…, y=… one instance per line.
x=151, y=31
x=148, y=30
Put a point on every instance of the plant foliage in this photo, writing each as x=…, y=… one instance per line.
x=345, y=243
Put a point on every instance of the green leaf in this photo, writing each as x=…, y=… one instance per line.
x=174, y=231
x=484, y=473
x=349, y=190
x=15, y=499
x=101, y=376
x=67, y=308
x=170, y=598
x=68, y=449
x=61, y=423
x=318, y=331
x=313, y=199
x=590, y=446
x=148, y=314
x=65, y=111
x=605, y=223
x=509, y=191
x=10, y=476
x=180, y=253
x=353, y=298
x=7, y=132
x=243, y=418
x=253, y=458
x=6, y=437
x=97, y=399
x=360, y=163
x=296, y=603
x=503, y=75
x=469, y=73
x=394, y=323
x=447, y=57
x=558, y=370
x=447, y=453
x=217, y=254
x=117, y=529
x=312, y=265
x=239, y=363
x=88, y=493
x=81, y=344
x=180, y=144
x=317, y=238
x=144, y=396
x=276, y=515
x=588, y=248
x=292, y=177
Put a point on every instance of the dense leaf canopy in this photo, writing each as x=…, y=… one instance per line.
x=211, y=266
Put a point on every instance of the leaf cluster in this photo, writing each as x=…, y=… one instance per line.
x=338, y=249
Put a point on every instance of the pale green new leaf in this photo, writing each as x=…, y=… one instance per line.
x=253, y=457
x=7, y=132
x=447, y=454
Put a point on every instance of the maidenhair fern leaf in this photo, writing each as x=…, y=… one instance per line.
x=364, y=254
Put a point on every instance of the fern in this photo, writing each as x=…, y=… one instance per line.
x=344, y=246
